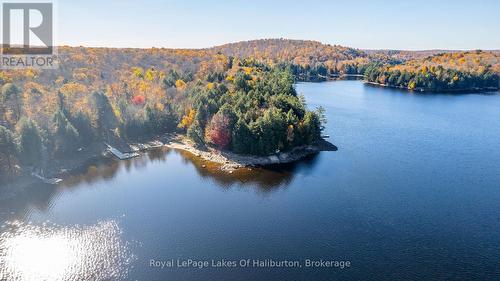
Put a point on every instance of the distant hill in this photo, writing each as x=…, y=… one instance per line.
x=404, y=55
x=315, y=59
x=469, y=61
x=453, y=71
x=298, y=51
x=310, y=60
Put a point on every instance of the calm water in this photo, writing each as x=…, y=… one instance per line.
x=412, y=193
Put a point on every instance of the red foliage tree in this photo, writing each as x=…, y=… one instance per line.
x=218, y=131
x=139, y=100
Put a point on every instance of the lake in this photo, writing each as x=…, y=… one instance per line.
x=413, y=193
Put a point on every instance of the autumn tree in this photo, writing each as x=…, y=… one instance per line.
x=218, y=131
x=187, y=119
x=180, y=84
x=138, y=100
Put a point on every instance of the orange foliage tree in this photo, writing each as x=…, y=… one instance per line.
x=218, y=131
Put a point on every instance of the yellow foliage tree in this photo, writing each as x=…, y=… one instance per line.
x=179, y=84
x=150, y=75
x=187, y=119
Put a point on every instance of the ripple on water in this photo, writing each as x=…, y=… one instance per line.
x=53, y=252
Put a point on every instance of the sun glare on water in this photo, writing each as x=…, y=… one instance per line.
x=96, y=252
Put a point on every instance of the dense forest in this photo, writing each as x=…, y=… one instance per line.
x=239, y=97
x=309, y=60
x=114, y=95
x=456, y=71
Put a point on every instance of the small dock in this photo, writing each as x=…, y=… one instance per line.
x=121, y=155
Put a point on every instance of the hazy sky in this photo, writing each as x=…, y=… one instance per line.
x=362, y=24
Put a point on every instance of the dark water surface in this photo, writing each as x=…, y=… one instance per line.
x=413, y=193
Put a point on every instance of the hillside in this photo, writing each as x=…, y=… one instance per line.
x=473, y=61
x=405, y=55
x=454, y=71
x=309, y=59
x=295, y=51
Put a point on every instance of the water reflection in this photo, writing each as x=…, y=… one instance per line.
x=15, y=206
x=97, y=252
x=104, y=169
x=52, y=252
x=264, y=179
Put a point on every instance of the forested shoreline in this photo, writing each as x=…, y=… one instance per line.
x=455, y=72
x=244, y=109
x=237, y=97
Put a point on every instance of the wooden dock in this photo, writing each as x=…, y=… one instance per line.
x=121, y=155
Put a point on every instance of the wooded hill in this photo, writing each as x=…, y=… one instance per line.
x=314, y=61
x=309, y=60
x=455, y=71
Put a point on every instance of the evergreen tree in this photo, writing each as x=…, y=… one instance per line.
x=242, y=138
x=83, y=126
x=7, y=152
x=105, y=119
x=67, y=136
x=195, y=133
x=11, y=99
x=30, y=142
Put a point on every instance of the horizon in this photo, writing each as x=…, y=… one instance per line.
x=447, y=25
x=250, y=40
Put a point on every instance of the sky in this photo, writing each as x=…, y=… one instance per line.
x=408, y=25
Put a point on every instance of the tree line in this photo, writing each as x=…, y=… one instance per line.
x=248, y=110
x=458, y=71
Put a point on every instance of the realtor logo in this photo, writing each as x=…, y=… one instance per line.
x=28, y=35
x=29, y=22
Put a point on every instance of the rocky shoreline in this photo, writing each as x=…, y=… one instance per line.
x=231, y=161
x=227, y=160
